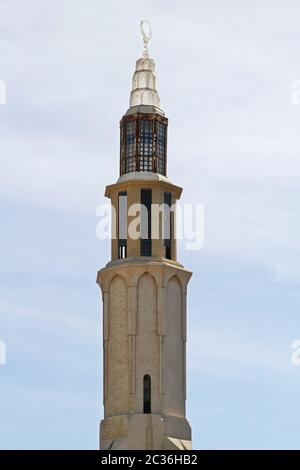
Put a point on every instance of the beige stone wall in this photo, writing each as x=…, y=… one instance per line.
x=133, y=188
x=116, y=367
x=144, y=333
x=174, y=403
x=147, y=341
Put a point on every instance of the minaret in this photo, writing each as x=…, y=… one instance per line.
x=144, y=286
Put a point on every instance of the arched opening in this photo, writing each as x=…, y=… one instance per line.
x=147, y=394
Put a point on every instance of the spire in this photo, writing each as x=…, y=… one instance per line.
x=144, y=78
x=147, y=35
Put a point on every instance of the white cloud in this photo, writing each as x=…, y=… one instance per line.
x=80, y=325
x=224, y=76
x=234, y=353
x=224, y=72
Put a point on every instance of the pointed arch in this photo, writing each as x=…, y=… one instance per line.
x=114, y=276
x=117, y=370
x=170, y=274
x=174, y=349
x=145, y=270
x=146, y=340
x=147, y=97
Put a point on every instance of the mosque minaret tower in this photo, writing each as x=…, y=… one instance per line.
x=144, y=287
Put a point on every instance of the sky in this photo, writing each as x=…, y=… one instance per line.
x=225, y=74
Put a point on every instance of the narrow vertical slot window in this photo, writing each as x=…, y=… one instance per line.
x=167, y=225
x=147, y=394
x=146, y=201
x=130, y=144
x=122, y=225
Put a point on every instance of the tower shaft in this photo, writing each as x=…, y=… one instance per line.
x=144, y=288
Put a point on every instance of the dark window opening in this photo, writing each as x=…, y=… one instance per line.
x=143, y=144
x=147, y=394
x=122, y=249
x=146, y=140
x=122, y=225
x=130, y=146
x=167, y=225
x=168, y=252
x=146, y=145
x=146, y=248
x=161, y=147
x=146, y=201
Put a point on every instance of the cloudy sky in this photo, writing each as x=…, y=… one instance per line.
x=225, y=75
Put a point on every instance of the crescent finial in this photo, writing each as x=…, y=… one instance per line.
x=146, y=34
